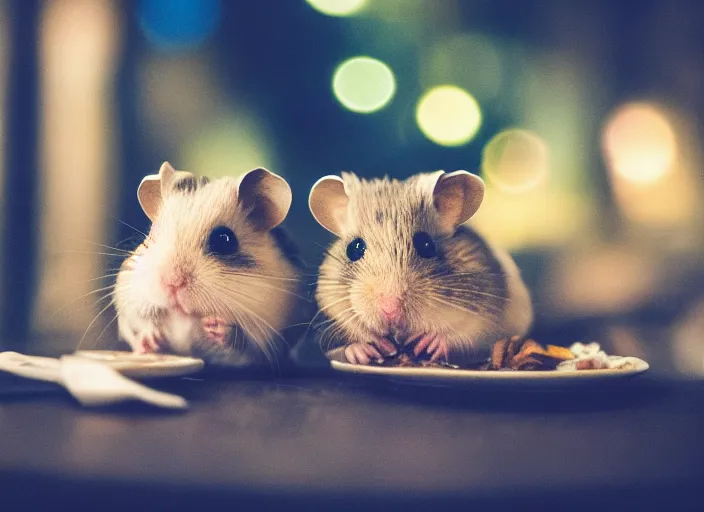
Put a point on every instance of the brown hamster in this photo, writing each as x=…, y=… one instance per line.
x=407, y=266
x=213, y=277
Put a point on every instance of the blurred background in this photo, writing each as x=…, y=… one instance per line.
x=584, y=119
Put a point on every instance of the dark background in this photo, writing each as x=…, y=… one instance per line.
x=97, y=94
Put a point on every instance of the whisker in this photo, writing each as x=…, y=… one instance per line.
x=83, y=297
x=221, y=289
x=272, y=287
x=92, y=322
x=262, y=277
x=456, y=306
x=325, y=308
x=130, y=226
x=100, y=277
x=319, y=312
x=469, y=291
x=101, y=245
x=326, y=251
x=338, y=329
x=104, y=329
x=92, y=253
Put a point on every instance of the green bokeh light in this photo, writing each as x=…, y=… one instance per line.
x=337, y=7
x=363, y=84
x=448, y=115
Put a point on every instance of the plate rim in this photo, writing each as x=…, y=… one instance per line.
x=171, y=366
x=479, y=375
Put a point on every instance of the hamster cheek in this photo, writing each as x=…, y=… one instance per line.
x=145, y=285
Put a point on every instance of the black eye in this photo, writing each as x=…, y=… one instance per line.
x=425, y=247
x=222, y=241
x=356, y=248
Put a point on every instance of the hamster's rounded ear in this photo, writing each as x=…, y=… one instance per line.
x=328, y=203
x=457, y=196
x=265, y=197
x=152, y=188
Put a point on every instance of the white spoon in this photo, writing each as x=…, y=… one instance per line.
x=90, y=382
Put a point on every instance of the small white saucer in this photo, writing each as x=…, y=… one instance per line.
x=452, y=377
x=145, y=366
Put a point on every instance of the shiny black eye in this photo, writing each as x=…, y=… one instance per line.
x=222, y=242
x=356, y=248
x=425, y=247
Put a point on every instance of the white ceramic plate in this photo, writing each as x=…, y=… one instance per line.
x=445, y=377
x=145, y=366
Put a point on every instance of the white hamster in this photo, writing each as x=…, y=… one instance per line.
x=215, y=277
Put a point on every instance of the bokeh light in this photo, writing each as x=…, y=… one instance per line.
x=78, y=65
x=229, y=145
x=337, y=7
x=515, y=160
x=448, y=115
x=178, y=24
x=651, y=156
x=639, y=143
x=363, y=84
x=471, y=61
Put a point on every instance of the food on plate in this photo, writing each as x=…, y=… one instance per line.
x=520, y=354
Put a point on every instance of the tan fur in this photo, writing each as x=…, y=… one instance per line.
x=454, y=296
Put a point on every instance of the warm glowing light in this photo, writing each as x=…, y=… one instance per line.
x=515, y=160
x=639, y=143
x=363, y=84
x=538, y=218
x=471, y=61
x=337, y=7
x=178, y=24
x=652, y=154
x=80, y=48
x=448, y=115
x=605, y=280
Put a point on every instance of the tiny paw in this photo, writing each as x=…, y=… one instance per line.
x=151, y=342
x=365, y=353
x=434, y=345
x=362, y=353
x=216, y=329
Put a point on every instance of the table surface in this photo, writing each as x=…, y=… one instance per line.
x=353, y=440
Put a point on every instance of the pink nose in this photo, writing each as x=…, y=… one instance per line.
x=390, y=308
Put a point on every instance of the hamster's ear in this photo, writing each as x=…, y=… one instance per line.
x=153, y=187
x=265, y=197
x=328, y=203
x=457, y=196
x=157, y=186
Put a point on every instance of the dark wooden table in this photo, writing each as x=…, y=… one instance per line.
x=350, y=443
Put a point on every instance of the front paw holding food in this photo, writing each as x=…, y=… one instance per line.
x=434, y=345
x=151, y=341
x=365, y=353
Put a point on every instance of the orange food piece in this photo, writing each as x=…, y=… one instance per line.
x=559, y=352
